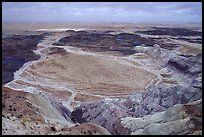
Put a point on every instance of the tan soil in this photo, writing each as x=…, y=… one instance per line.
x=61, y=95
x=92, y=74
x=84, y=97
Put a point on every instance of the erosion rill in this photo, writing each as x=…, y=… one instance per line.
x=146, y=81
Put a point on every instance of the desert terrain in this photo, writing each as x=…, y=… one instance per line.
x=74, y=78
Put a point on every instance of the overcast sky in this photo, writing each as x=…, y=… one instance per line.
x=148, y=12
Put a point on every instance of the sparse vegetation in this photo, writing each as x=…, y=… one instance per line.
x=28, y=133
x=24, y=120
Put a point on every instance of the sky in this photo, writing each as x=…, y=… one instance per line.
x=128, y=12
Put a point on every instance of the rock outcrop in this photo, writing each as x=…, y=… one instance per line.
x=177, y=120
x=17, y=50
x=159, y=98
x=171, y=32
x=191, y=65
x=123, y=43
x=24, y=113
x=27, y=113
x=108, y=112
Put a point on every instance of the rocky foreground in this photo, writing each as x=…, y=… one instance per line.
x=160, y=110
x=169, y=102
x=26, y=113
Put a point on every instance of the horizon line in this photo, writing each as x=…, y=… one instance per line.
x=93, y=22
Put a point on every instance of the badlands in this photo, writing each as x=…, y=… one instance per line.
x=83, y=79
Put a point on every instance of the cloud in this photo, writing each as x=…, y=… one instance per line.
x=103, y=11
